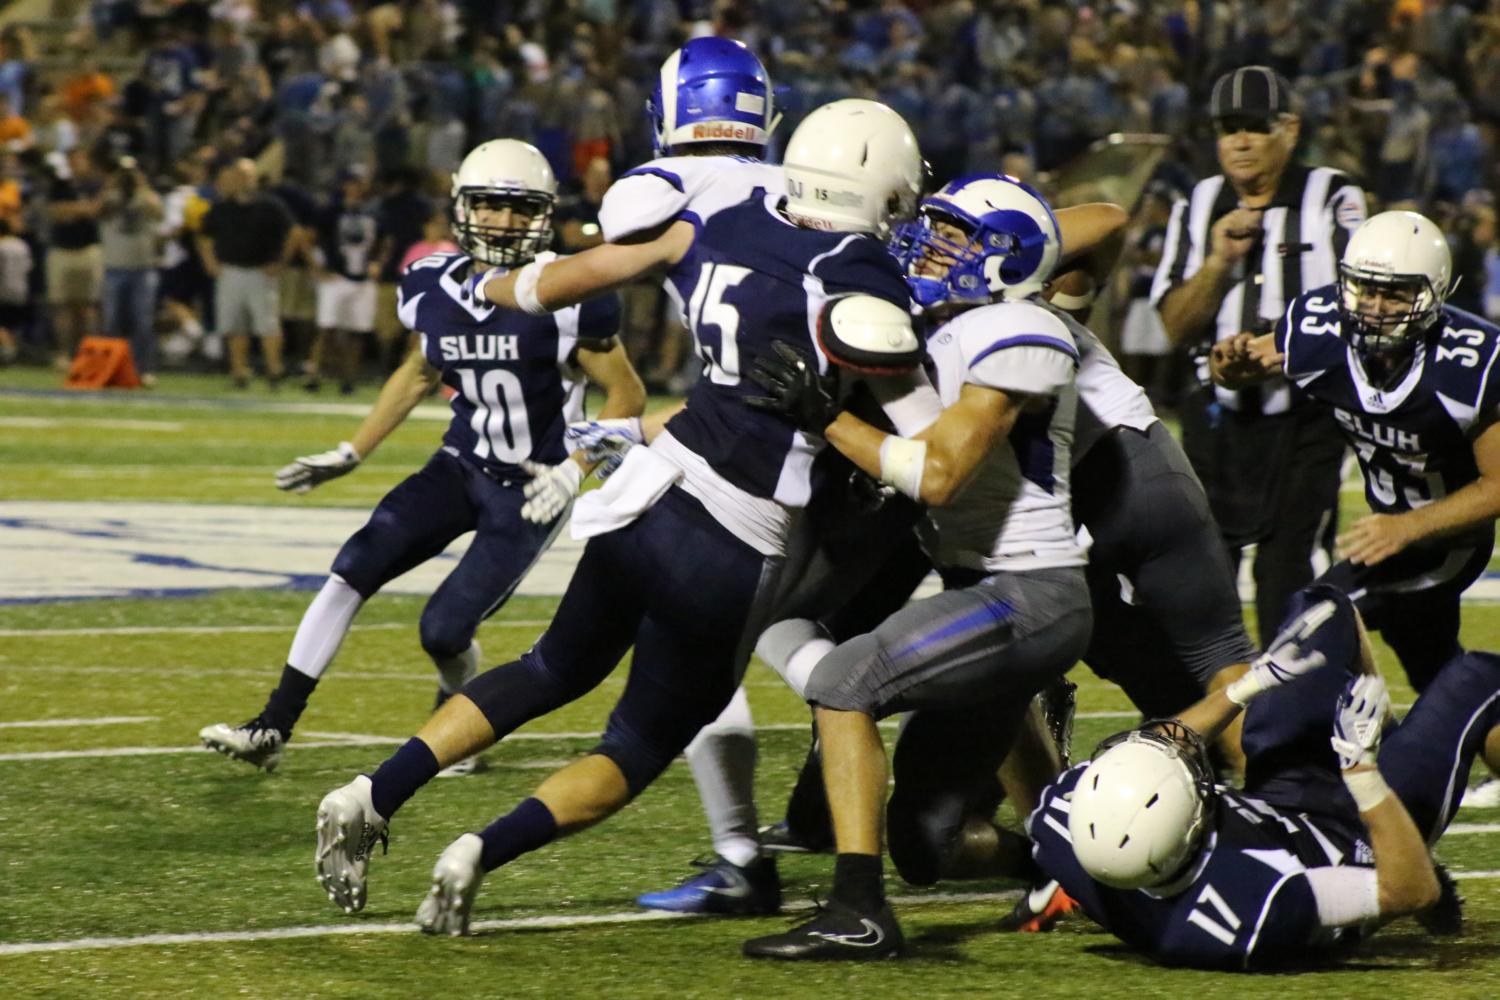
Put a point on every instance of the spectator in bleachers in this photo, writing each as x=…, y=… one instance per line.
x=74, y=266
x=245, y=241
x=346, y=269
x=15, y=290
x=405, y=214
x=15, y=131
x=87, y=91
x=130, y=213
x=1472, y=240
x=15, y=73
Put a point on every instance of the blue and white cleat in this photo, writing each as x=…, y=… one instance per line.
x=348, y=828
x=455, y=883
x=724, y=888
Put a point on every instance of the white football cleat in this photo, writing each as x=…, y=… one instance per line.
x=455, y=883
x=1485, y=796
x=348, y=827
x=254, y=742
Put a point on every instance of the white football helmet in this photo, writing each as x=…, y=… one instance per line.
x=1141, y=808
x=853, y=166
x=1401, y=255
x=503, y=174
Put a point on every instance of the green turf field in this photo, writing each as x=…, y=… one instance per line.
x=133, y=865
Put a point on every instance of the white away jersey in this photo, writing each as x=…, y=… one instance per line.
x=688, y=187
x=1016, y=512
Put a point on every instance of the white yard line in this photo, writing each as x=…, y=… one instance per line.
x=1462, y=829
x=15, y=633
x=103, y=720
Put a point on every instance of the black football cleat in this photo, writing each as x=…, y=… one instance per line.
x=1445, y=918
x=836, y=933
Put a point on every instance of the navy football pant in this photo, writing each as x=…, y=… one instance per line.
x=1425, y=758
x=1412, y=600
x=686, y=593
x=417, y=520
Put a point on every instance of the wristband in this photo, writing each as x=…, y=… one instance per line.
x=348, y=453
x=901, y=464
x=525, y=290
x=1242, y=689
x=1367, y=788
x=1071, y=303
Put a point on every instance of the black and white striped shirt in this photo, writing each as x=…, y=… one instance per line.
x=1303, y=233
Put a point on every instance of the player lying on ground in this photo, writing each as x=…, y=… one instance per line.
x=1329, y=838
x=501, y=472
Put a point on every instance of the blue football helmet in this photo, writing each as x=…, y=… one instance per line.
x=1012, y=248
x=711, y=90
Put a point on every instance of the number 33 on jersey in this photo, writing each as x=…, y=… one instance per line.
x=515, y=377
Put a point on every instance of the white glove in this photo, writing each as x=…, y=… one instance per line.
x=1286, y=659
x=310, y=470
x=599, y=439
x=551, y=489
x=1361, y=714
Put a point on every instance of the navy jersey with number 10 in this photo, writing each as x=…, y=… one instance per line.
x=515, y=377
x=1414, y=439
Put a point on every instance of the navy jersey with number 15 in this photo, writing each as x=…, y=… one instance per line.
x=515, y=377
x=1414, y=439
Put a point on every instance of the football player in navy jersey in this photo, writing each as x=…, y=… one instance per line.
x=1330, y=836
x=503, y=471
x=687, y=537
x=1410, y=380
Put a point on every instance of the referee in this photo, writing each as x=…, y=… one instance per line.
x=1243, y=245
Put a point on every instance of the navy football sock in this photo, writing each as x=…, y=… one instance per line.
x=398, y=779
x=525, y=828
x=287, y=702
x=858, y=882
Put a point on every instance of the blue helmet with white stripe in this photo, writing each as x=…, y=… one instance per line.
x=982, y=238
x=711, y=90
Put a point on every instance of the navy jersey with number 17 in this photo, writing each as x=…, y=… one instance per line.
x=1414, y=439
x=515, y=377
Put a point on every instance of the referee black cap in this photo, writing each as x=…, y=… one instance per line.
x=1250, y=92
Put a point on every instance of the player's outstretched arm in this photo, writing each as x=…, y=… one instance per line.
x=407, y=386
x=1377, y=537
x=545, y=286
x=1405, y=879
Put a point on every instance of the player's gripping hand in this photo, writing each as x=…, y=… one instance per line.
x=551, y=489
x=311, y=470
x=599, y=439
x=794, y=388
x=1288, y=657
x=1359, y=718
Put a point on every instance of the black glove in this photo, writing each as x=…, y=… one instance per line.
x=794, y=388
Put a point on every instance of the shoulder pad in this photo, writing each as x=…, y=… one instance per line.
x=867, y=334
x=1015, y=324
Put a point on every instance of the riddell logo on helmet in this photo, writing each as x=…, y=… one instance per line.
x=726, y=130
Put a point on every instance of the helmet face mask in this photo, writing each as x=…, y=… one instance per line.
x=1386, y=315
x=1010, y=243
x=528, y=234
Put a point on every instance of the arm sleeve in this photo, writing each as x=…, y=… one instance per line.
x=641, y=199
x=1345, y=895
x=909, y=401
x=1177, y=247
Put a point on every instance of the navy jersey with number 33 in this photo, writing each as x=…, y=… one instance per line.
x=1414, y=439
x=515, y=377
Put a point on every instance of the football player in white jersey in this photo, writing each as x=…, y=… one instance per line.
x=990, y=457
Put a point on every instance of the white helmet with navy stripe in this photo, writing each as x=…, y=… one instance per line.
x=1394, y=277
x=503, y=174
x=1010, y=245
x=711, y=90
x=853, y=166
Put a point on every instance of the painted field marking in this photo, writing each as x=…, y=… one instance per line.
x=1466, y=829
x=18, y=633
x=103, y=720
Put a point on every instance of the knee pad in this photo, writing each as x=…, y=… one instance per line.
x=846, y=679
x=516, y=693
x=443, y=634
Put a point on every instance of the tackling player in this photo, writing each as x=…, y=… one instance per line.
x=518, y=380
x=1327, y=841
x=687, y=537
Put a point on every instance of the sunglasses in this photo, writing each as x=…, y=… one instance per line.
x=1254, y=125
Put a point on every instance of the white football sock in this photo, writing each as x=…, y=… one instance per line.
x=454, y=671
x=324, y=625
x=722, y=757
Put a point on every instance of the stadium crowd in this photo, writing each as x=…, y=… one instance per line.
x=111, y=162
